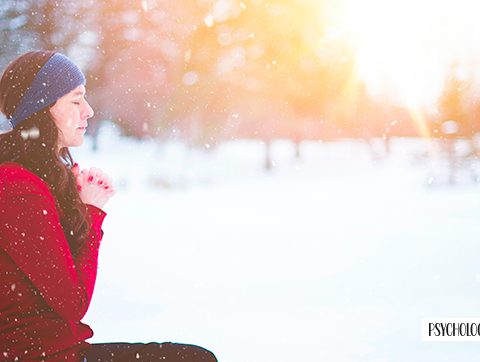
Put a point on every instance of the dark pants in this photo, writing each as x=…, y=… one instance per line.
x=149, y=352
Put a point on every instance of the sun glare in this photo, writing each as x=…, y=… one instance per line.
x=405, y=48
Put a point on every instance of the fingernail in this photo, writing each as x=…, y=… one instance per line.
x=79, y=188
x=90, y=178
x=75, y=165
x=106, y=187
x=100, y=182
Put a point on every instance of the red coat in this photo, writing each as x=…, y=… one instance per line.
x=44, y=291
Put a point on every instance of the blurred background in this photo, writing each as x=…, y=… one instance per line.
x=298, y=180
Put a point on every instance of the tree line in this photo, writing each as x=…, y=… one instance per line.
x=205, y=71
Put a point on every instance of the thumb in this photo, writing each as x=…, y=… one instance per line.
x=75, y=169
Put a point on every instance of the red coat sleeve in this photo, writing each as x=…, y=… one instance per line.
x=32, y=236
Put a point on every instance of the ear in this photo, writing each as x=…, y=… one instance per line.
x=53, y=111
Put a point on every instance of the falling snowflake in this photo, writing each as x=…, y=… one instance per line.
x=190, y=78
x=209, y=20
x=32, y=133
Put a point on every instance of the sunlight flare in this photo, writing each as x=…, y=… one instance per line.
x=404, y=49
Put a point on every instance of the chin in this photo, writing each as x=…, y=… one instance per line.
x=76, y=143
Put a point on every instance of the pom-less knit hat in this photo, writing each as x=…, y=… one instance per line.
x=58, y=76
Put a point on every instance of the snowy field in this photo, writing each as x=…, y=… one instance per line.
x=335, y=257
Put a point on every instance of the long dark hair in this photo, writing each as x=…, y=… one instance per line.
x=34, y=145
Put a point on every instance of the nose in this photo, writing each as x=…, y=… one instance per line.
x=88, y=111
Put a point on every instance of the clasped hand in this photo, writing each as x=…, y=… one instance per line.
x=94, y=186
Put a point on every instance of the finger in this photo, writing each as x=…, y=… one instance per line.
x=111, y=189
x=80, y=182
x=92, y=175
x=101, y=182
x=96, y=173
x=102, y=178
x=91, y=179
x=80, y=178
x=107, y=182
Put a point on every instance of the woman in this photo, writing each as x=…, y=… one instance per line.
x=50, y=221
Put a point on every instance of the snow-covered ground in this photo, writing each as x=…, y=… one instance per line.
x=334, y=257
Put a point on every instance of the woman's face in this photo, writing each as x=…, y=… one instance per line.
x=70, y=113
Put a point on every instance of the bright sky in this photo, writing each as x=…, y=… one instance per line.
x=404, y=48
